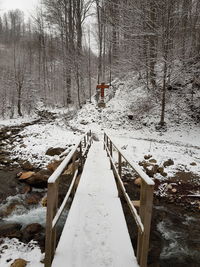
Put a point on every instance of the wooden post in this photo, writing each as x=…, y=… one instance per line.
x=107, y=141
x=146, y=202
x=52, y=204
x=84, y=141
x=81, y=156
x=111, y=153
x=73, y=162
x=120, y=164
x=104, y=138
x=111, y=148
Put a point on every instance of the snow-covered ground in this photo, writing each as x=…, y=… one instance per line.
x=17, y=121
x=12, y=249
x=36, y=139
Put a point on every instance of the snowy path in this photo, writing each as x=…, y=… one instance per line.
x=95, y=233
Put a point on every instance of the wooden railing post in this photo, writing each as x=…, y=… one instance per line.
x=120, y=164
x=146, y=202
x=81, y=156
x=104, y=138
x=111, y=153
x=52, y=204
x=107, y=142
x=84, y=141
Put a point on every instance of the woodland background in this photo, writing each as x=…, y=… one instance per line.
x=49, y=60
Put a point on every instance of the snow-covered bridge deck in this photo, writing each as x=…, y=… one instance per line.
x=95, y=233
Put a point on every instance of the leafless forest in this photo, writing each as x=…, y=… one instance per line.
x=49, y=59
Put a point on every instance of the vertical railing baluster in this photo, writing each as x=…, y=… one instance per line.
x=52, y=202
x=145, y=212
x=120, y=164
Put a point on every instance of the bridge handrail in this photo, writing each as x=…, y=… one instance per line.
x=53, y=213
x=143, y=219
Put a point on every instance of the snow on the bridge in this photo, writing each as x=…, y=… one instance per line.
x=95, y=233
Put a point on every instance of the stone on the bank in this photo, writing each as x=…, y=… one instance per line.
x=26, y=165
x=69, y=170
x=153, y=161
x=31, y=230
x=11, y=230
x=193, y=164
x=52, y=166
x=160, y=170
x=147, y=156
x=19, y=263
x=168, y=162
x=83, y=122
x=53, y=151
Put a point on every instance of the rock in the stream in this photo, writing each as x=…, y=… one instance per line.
x=39, y=179
x=44, y=201
x=19, y=263
x=54, y=151
x=25, y=175
x=33, y=199
x=168, y=162
x=4, y=212
x=26, y=189
x=11, y=230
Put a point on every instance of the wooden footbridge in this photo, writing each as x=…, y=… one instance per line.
x=95, y=232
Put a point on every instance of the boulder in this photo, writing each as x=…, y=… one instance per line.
x=52, y=166
x=19, y=263
x=44, y=201
x=31, y=230
x=160, y=170
x=130, y=117
x=151, y=170
x=174, y=190
x=39, y=179
x=83, y=122
x=138, y=181
x=193, y=164
x=153, y=161
x=26, y=189
x=147, y=156
x=11, y=230
x=52, y=151
x=8, y=209
x=69, y=170
x=33, y=199
x=26, y=165
x=26, y=175
x=168, y=162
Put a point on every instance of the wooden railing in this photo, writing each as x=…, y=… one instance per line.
x=143, y=219
x=77, y=156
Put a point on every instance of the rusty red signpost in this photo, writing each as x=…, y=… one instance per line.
x=102, y=87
